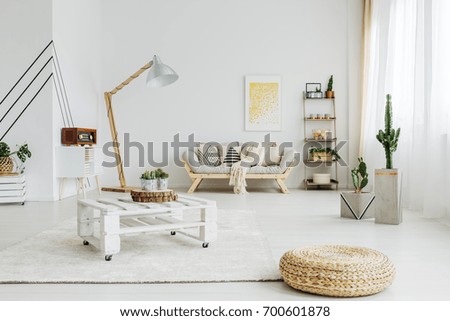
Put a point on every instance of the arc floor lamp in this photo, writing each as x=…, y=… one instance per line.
x=159, y=75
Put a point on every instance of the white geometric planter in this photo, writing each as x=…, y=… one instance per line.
x=388, y=205
x=357, y=205
x=149, y=184
x=163, y=183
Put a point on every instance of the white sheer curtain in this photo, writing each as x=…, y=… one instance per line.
x=407, y=54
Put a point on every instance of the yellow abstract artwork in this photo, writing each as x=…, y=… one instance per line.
x=263, y=105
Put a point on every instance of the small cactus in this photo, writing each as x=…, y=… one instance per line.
x=330, y=84
x=388, y=138
x=155, y=174
x=360, y=176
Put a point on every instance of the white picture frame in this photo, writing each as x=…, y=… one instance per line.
x=263, y=110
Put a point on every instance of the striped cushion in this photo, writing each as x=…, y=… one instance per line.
x=208, y=155
x=232, y=157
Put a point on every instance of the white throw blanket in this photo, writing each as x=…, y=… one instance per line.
x=237, y=177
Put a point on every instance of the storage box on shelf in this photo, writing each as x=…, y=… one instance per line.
x=320, y=138
x=80, y=163
x=12, y=189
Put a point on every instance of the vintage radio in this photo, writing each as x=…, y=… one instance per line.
x=78, y=136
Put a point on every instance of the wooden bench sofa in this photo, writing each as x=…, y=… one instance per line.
x=277, y=172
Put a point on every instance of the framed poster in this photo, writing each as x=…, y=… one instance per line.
x=262, y=103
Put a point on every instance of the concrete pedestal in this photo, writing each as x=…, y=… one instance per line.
x=388, y=207
x=357, y=205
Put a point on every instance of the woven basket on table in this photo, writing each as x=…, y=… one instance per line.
x=6, y=166
x=337, y=270
x=139, y=195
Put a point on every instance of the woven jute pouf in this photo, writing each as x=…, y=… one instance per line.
x=337, y=270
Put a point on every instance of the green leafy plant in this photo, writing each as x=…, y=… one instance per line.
x=360, y=176
x=22, y=152
x=389, y=137
x=318, y=90
x=327, y=150
x=330, y=84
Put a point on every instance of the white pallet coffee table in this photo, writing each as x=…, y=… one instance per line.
x=101, y=222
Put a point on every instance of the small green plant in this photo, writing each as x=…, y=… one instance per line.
x=318, y=90
x=22, y=152
x=389, y=137
x=327, y=150
x=155, y=174
x=148, y=175
x=330, y=84
x=360, y=176
x=162, y=174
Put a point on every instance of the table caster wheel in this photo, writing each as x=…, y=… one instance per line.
x=205, y=245
x=108, y=257
x=85, y=243
x=173, y=233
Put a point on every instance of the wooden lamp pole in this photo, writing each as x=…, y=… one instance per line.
x=112, y=125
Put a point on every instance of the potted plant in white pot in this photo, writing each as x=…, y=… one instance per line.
x=7, y=162
x=163, y=179
x=358, y=204
x=149, y=181
x=388, y=208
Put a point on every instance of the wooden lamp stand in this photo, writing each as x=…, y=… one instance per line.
x=160, y=75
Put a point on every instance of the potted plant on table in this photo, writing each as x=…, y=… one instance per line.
x=358, y=204
x=330, y=93
x=149, y=181
x=163, y=179
x=7, y=162
x=387, y=180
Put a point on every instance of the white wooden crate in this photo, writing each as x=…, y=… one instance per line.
x=12, y=189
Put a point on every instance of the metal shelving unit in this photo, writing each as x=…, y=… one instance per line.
x=310, y=142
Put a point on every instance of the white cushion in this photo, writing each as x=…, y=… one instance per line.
x=253, y=155
x=272, y=156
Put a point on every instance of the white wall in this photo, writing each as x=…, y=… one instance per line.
x=76, y=33
x=25, y=29
x=26, y=26
x=213, y=45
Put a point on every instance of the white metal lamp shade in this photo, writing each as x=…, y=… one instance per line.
x=160, y=75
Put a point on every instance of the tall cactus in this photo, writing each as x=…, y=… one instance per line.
x=388, y=138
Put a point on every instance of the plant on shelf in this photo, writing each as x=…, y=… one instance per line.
x=318, y=90
x=330, y=93
x=6, y=160
x=360, y=176
x=323, y=154
x=389, y=137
